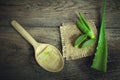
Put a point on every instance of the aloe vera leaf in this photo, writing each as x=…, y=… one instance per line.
x=82, y=27
x=84, y=22
x=88, y=43
x=79, y=40
x=100, y=59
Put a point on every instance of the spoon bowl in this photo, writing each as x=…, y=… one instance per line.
x=46, y=55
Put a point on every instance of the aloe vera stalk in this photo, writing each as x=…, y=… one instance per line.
x=79, y=40
x=100, y=59
x=88, y=43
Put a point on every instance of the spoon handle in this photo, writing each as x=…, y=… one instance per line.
x=24, y=33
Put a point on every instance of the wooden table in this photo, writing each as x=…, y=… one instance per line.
x=42, y=18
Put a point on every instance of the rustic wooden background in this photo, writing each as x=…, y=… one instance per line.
x=42, y=18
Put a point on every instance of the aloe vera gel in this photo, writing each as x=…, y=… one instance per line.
x=47, y=55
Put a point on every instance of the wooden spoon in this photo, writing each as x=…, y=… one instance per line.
x=46, y=55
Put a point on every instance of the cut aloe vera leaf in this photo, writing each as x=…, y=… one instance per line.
x=100, y=59
x=84, y=22
x=88, y=43
x=82, y=27
x=79, y=40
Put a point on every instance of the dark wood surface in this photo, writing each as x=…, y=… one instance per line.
x=42, y=18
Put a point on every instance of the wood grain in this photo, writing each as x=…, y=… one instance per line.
x=42, y=18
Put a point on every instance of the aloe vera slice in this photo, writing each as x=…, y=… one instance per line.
x=100, y=59
x=88, y=43
x=79, y=40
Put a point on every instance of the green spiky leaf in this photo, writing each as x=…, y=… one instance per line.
x=100, y=59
